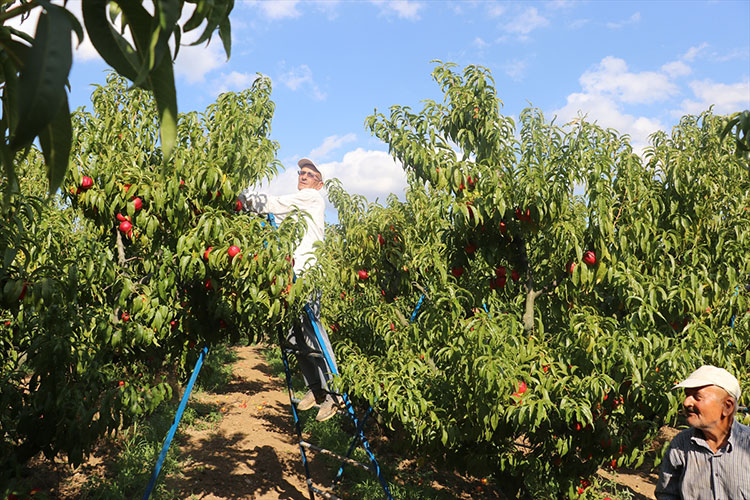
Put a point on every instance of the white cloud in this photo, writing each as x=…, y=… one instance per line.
x=726, y=98
x=480, y=43
x=194, y=62
x=374, y=174
x=300, y=78
x=85, y=51
x=611, y=76
x=631, y=20
x=82, y=52
x=693, y=52
x=328, y=7
x=331, y=143
x=233, y=81
x=403, y=9
x=560, y=4
x=607, y=113
x=515, y=69
x=578, y=23
x=495, y=10
x=676, y=68
x=526, y=22
x=732, y=54
x=279, y=9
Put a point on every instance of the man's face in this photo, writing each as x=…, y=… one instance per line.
x=309, y=178
x=704, y=405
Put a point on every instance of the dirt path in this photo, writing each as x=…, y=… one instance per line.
x=252, y=453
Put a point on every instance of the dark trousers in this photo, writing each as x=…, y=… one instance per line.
x=315, y=370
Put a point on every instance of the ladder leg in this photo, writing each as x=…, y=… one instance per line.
x=349, y=407
x=297, y=424
x=366, y=446
x=353, y=444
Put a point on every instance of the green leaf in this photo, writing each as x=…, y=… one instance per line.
x=44, y=75
x=114, y=12
x=213, y=17
x=112, y=46
x=225, y=33
x=162, y=83
x=601, y=272
x=15, y=54
x=140, y=21
x=55, y=140
x=199, y=14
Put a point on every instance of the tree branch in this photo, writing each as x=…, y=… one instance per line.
x=419, y=287
x=120, y=249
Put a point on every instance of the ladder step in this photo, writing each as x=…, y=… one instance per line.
x=335, y=455
x=323, y=493
x=304, y=352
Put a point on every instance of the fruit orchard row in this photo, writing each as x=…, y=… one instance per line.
x=568, y=282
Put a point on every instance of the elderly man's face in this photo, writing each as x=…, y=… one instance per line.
x=309, y=178
x=704, y=405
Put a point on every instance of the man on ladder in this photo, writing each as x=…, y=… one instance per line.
x=310, y=201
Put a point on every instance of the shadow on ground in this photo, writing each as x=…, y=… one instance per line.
x=224, y=469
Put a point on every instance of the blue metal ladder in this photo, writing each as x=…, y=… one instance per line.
x=304, y=446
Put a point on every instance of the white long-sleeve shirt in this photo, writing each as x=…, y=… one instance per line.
x=309, y=201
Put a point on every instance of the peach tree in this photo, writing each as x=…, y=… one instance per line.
x=111, y=289
x=132, y=38
x=566, y=283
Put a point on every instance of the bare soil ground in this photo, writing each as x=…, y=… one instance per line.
x=252, y=454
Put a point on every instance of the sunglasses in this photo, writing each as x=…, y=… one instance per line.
x=311, y=175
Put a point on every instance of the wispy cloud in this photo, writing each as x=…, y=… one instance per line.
x=403, y=9
x=526, y=22
x=635, y=18
x=676, y=68
x=233, y=81
x=331, y=143
x=516, y=69
x=578, y=23
x=560, y=4
x=480, y=43
x=731, y=55
x=693, y=52
x=495, y=9
x=301, y=78
x=278, y=9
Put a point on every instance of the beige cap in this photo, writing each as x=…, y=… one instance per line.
x=712, y=375
x=307, y=162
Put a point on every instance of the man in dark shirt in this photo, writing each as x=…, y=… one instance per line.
x=711, y=459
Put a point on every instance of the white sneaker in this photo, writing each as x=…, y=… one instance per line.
x=328, y=409
x=307, y=401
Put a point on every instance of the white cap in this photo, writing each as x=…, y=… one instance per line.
x=307, y=162
x=712, y=375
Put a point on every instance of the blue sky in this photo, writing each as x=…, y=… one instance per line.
x=633, y=66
